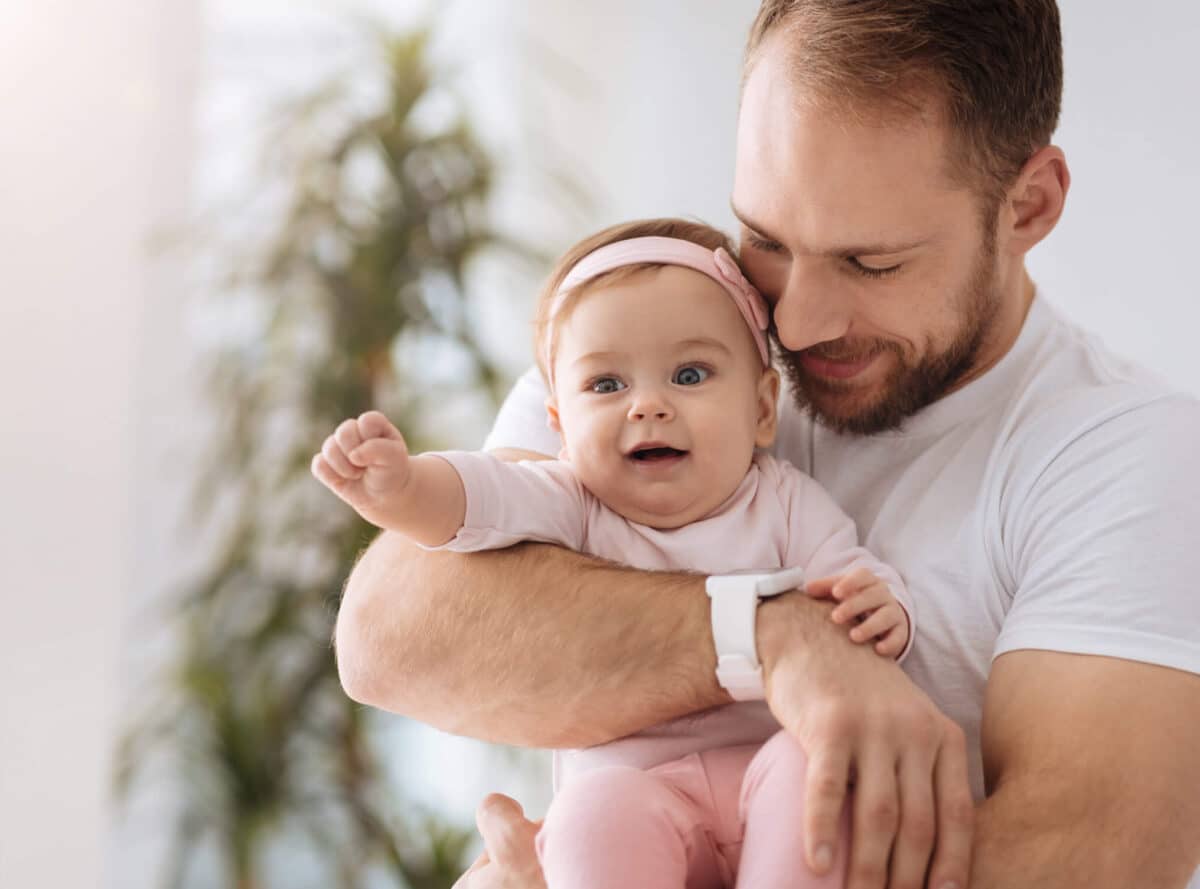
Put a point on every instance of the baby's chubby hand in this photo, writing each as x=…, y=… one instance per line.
x=365, y=462
x=868, y=601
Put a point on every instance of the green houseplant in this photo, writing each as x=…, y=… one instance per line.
x=363, y=267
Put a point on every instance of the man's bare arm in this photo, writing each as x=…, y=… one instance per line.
x=1092, y=774
x=538, y=646
x=531, y=645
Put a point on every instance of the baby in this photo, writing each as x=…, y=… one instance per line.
x=654, y=349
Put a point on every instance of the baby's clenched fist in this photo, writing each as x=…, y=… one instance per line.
x=365, y=462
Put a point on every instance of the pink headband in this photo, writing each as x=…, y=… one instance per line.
x=716, y=264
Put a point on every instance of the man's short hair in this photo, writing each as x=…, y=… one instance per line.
x=994, y=67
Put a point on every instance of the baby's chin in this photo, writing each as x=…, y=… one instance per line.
x=666, y=509
x=652, y=500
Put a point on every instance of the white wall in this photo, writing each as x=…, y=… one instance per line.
x=644, y=114
x=94, y=141
x=1121, y=261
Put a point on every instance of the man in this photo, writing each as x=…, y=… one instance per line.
x=893, y=169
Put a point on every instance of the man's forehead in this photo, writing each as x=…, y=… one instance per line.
x=807, y=174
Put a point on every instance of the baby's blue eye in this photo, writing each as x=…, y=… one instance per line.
x=690, y=375
x=605, y=385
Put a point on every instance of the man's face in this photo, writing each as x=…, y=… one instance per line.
x=881, y=270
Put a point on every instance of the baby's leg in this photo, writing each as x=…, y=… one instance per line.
x=624, y=828
x=773, y=814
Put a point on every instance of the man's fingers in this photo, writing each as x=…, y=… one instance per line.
x=508, y=836
x=955, y=813
x=875, y=820
x=918, y=821
x=826, y=784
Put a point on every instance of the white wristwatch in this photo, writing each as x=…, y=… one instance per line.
x=734, y=606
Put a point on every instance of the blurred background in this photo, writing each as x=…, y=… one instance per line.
x=225, y=226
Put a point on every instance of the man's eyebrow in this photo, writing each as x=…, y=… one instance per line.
x=754, y=227
x=877, y=248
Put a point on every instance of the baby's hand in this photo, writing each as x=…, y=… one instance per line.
x=866, y=599
x=365, y=462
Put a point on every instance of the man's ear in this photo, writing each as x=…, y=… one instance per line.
x=1036, y=200
x=768, y=401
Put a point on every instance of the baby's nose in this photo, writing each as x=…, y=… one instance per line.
x=650, y=408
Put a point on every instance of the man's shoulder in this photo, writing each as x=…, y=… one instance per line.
x=1075, y=386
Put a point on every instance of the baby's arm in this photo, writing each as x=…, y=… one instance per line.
x=366, y=463
x=866, y=599
x=461, y=500
x=824, y=540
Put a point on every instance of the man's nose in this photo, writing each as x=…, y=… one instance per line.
x=650, y=405
x=814, y=307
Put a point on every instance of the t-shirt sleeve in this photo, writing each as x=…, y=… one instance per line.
x=522, y=421
x=824, y=540
x=1103, y=545
x=511, y=502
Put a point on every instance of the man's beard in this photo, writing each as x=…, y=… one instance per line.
x=909, y=387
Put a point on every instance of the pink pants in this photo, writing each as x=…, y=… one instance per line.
x=724, y=818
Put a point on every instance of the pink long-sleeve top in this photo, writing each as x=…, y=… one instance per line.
x=777, y=518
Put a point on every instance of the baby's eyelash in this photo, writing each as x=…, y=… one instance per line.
x=590, y=385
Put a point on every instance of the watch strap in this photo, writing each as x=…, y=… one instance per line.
x=733, y=616
x=734, y=609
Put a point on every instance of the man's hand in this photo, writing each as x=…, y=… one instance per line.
x=509, y=859
x=862, y=721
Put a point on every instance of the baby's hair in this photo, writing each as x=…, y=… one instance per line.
x=683, y=229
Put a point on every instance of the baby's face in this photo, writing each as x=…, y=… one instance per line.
x=660, y=395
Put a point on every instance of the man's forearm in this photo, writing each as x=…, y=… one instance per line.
x=1092, y=773
x=1035, y=837
x=531, y=645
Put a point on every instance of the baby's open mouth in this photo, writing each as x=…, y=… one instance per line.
x=651, y=454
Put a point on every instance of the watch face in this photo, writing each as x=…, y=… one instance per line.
x=761, y=583
x=722, y=583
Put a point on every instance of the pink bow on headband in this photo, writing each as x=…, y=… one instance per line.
x=716, y=264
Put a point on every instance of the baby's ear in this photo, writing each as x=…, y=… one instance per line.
x=552, y=414
x=768, y=401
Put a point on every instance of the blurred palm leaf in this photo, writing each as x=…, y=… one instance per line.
x=365, y=260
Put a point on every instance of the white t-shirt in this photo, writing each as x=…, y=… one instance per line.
x=1053, y=503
